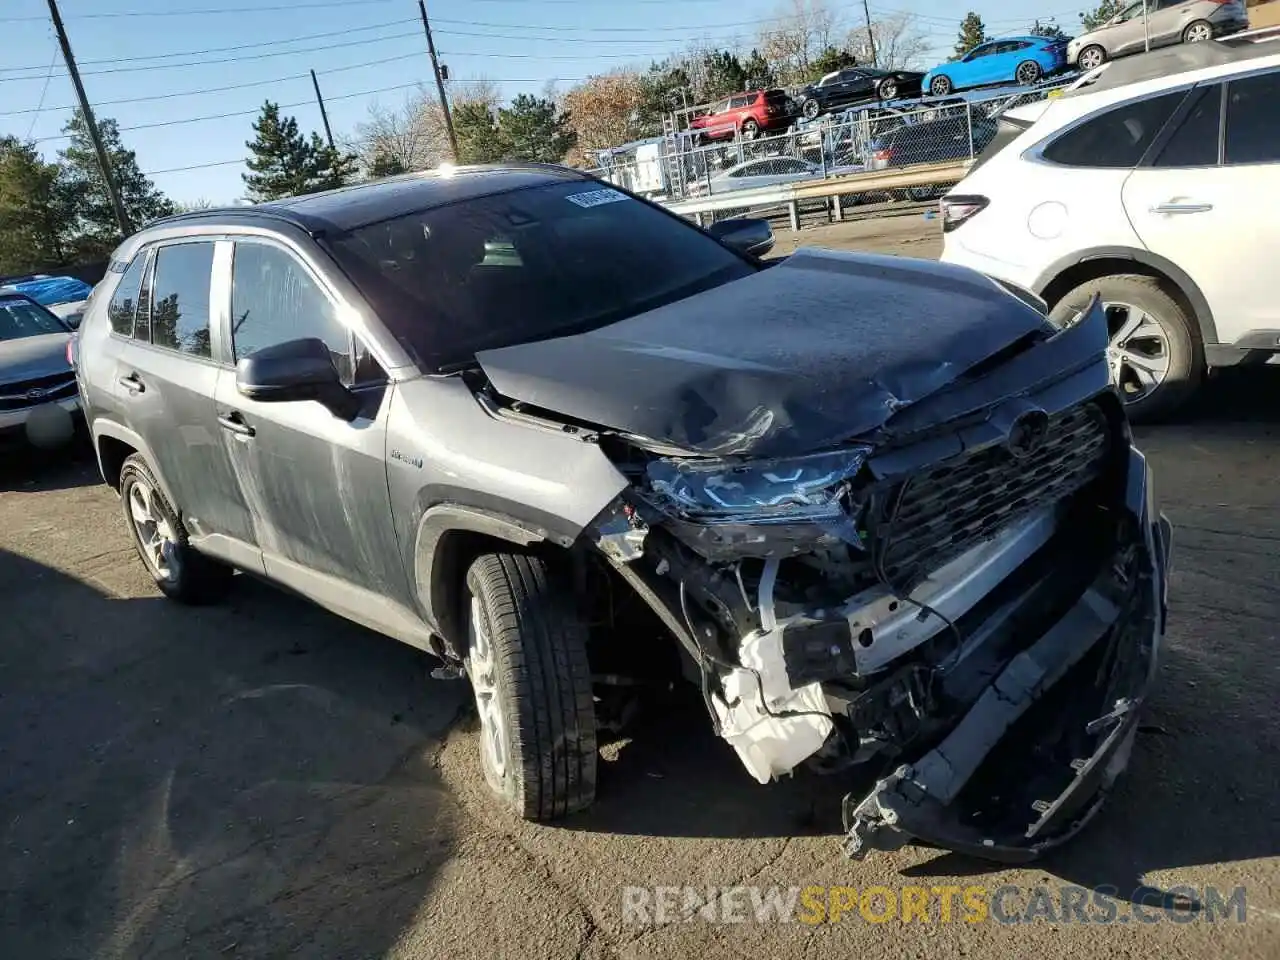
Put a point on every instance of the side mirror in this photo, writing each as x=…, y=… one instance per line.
x=296, y=370
x=752, y=237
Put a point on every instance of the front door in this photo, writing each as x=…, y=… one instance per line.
x=166, y=374
x=1128, y=34
x=316, y=485
x=1211, y=218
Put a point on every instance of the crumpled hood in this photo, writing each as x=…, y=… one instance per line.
x=822, y=347
x=30, y=357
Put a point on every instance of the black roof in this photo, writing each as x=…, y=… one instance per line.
x=364, y=203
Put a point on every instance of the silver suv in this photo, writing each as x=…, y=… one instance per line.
x=887, y=515
x=1165, y=22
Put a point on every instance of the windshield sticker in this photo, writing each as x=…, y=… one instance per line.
x=595, y=198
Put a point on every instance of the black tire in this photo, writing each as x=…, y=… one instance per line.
x=940, y=86
x=810, y=109
x=1185, y=352
x=889, y=90
x=750, y=129
x=542, y=686
x=1028, y=72
x=1090, y=52
x=1201, y=29
x=191, y=577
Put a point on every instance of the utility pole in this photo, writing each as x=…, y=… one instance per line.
x=324, y=116
x=871, y=37
x=1146, y=28
x=122, y=218
x=435, y=69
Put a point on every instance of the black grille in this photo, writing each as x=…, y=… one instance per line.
x=949, y=508
x=60, y=386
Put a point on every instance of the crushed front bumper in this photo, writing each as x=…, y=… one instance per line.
x=932, y=798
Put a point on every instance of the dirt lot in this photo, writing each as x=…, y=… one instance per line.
x=260, y=779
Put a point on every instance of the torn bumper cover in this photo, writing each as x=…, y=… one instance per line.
x=932, y=799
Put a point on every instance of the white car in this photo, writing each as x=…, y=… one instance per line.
x=1153, y=183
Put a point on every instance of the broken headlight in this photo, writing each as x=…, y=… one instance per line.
x=808, y=488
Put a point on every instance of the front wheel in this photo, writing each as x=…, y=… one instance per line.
x=889, y=90
x=810, y=109
x=1028, y=72
x=527, y=662
x=1153, y=354
x=160, y=538
x=1197, y=32
x=1091, y=58
x=940, y=86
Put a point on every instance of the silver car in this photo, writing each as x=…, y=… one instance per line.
x=1165, y=22
x=878, y=510
x=38, y=395
x=765, y=172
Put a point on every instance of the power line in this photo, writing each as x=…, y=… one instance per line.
x=239, y=46
x=53, y=62
x=188, y=13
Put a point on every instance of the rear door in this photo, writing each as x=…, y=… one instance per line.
x=1168, y=18
x=316, y=485
x=1206, y=204
x=167, y=371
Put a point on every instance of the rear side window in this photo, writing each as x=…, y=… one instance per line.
x=180, y=298
x=274, y=299
x=1195, y=142
x=1253, y=133
x=1117, y=138
x=124, y=302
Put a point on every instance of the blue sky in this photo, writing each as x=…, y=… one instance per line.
x=356, y=47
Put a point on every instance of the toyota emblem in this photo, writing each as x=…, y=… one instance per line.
x=1028, y=434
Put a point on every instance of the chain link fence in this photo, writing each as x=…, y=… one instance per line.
x=698, y=164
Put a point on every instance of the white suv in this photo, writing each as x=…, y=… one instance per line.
x=1153, y=183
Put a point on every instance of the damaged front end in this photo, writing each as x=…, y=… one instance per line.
x=966, y=602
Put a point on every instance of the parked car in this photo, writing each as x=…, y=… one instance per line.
x=1146, y=186
x=1167, y=22
x=64, y=296
x=933, y=141
x=38, y=395
x=842, y=88
x=765, y=172
x=881, y=508
x=1020, y=60
x=744, y=114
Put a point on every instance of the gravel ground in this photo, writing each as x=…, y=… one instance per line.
x=261, y=778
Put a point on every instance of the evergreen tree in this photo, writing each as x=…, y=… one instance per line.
x=828, y=61
x=330, y=168
x=1050, y=30
x=533, y=129
x=1100, y=14
x=34, y=213
x=479, y=139
x=972, y=34
x=757, y=73
x=94, y=220
x=383, y=164
x=281, y=161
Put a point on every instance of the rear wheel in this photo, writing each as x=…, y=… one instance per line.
x=181, y=573
x=940, y=86
x=527, y=661
x=750, y=129
x=1092, y=57
x=1155, y=359
x=1197, y=32
x=889, y=90
x=810, y=109
x=1028, y=72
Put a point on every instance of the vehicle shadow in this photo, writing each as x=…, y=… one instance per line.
x=256, y=778
x=30, y=470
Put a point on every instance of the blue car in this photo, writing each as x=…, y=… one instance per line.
x=1022, y=60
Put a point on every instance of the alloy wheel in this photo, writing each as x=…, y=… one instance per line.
x=810, y=109
x=1137, y=351
x=888, y=90
x=155, y=533
x=482, y=669
x=1027, y=73
x=940, y=87
x=1199, y=32
x=1092, y=58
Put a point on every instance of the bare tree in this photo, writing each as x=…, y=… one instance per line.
x=412, y=135
x=801, y=31
x=900, y=43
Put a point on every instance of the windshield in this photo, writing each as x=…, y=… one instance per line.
x=526, y=265
x=21, y=318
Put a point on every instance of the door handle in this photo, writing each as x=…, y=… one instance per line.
x=1188, y=207
x=233, y=422
x=133, y=383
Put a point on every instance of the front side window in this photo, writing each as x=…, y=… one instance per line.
x=180, y=298
x=977, y=53
x=124, y=302
x=1117, y=138
x=274, y=299
x=588, y=256
x=1253, y=134
x=22, y=318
